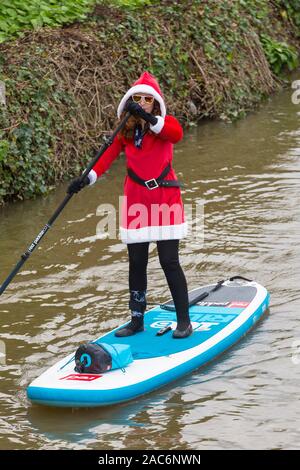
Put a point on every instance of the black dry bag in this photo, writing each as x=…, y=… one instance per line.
x=91, y=358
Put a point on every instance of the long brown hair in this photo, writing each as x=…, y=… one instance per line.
x=128, y=129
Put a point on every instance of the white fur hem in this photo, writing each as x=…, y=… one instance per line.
x=158, y=126
x=92, y=176
x=142, y=89
x=154, y=233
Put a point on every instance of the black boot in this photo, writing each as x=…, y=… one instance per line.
x=137, y=305
x=182, y=332
x=135, y=326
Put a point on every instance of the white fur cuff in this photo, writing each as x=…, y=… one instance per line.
x=158, y=126
x=92, y=176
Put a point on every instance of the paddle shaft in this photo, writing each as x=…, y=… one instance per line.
x=36, y=241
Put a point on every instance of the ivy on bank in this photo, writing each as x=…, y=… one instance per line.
x=63, y=86
x=19, y=15
x=27, y=149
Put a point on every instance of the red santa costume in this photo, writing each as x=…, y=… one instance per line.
x=148, y=214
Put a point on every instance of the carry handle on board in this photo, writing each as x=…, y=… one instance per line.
x=170, y=306
x=36, y=241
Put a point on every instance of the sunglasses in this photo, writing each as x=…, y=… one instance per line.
x=138, y=99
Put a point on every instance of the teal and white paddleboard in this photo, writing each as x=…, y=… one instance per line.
x=219, y=320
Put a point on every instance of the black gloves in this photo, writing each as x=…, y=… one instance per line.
x=133, y=108
x=137, y=110
x=77, y=184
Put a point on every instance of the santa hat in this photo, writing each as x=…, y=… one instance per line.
x=145, y=84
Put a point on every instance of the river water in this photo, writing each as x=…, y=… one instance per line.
x=245, y=177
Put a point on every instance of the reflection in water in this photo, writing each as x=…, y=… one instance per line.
x=74, y=287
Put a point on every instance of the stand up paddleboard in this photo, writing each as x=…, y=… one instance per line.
x=220, y=313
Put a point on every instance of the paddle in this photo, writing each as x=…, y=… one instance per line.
x=50, y=222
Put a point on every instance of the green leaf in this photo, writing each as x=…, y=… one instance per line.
x=37, y=22
x=4, y=26
x=4, y=147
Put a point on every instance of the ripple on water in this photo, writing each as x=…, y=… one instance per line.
x=245, y=177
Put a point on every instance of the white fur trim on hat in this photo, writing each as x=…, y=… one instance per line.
x=156, y=128
x=142, y=89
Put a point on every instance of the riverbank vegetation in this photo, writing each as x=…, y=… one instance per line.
x=64, y=73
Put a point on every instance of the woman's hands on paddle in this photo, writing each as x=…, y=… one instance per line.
x=77, y=184
x=137, y=110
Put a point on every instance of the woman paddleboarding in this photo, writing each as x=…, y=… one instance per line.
x=152, y=208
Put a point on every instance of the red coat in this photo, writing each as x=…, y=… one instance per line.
x=148, y=215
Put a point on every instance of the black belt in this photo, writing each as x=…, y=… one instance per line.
x=155, y=182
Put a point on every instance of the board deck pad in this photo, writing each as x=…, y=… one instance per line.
x=218, y=321
x=206, y=321
x=223, y=295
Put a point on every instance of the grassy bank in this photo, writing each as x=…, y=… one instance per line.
x=213, y=60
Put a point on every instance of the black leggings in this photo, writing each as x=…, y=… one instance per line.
x=169, y=261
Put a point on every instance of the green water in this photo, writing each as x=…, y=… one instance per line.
x=74, y=287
